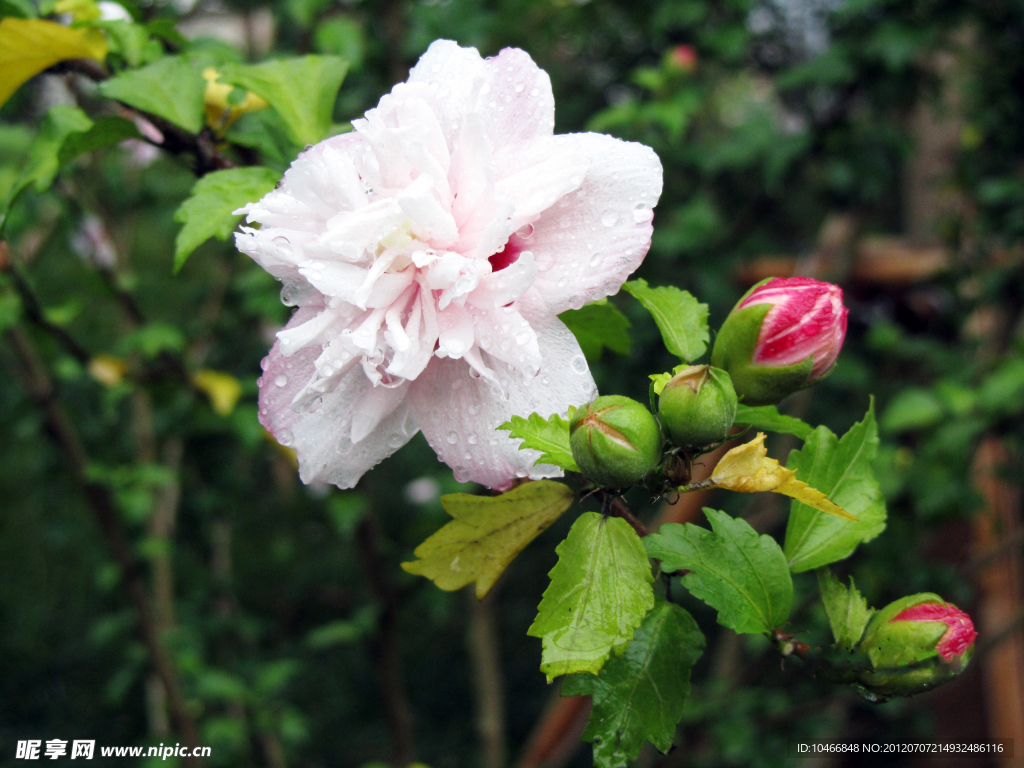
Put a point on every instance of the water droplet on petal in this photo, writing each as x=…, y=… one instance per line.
x=579, y=364
x=452, y=438
x=609, y=218
x=281, y=380
x=474, y=409
x=522, y=338
x=525, y=233
x=471, y=438
x=285, y=437
x=519, y=87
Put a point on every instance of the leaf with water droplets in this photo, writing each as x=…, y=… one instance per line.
x=599, y=593
x=209, y=210
x=682, y=320
x=549, y=436
x=487, y=533
x=640, y=695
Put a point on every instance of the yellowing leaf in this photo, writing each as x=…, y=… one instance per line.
x=220, y=112
x=748, y=469
x=487, y=533
x=107, y=369
x=223, y=389
x=80, y=10
x=28, y=46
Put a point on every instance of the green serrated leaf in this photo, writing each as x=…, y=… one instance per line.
x=768, y=418
x=842, y=470
x=640, y=695
x=302, y=90
x=598, y=325
x=549, y=436
x=171, y=88
x=600, y=591
x=741, y=575
x=847, y=610
x=209, y=210
x=682, y=320
x=487, y=534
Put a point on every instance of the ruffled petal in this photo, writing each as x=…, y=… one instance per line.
x=588, y=243
x=453, y=74
x=459, y=413
x=322, y=438
x=515, y=101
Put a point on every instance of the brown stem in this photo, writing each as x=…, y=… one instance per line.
x=176, y=140
x=62, y=431
x=487, y=680
x=618, y=508
x=384, y=645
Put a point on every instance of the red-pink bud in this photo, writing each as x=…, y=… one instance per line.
x=958, y=638
x=683, y=57
x=784, y=335
x=808, y=318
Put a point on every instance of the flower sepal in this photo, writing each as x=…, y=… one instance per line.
x=615, y=441
x=697, y=406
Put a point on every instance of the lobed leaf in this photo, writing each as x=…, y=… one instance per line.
x=302, y=90
x=640, y=695
x=487, y=533
x=741, y=575
x=28, y=46
x=748, y=469
x=549, y=436
x=842, y=469
x=848, y=612
x=682, y=320
x=171, y=87
x=210, y=209
x=598, y=325
x=768, y=418
x=599, y=593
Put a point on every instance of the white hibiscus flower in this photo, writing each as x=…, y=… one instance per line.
x=429, y=253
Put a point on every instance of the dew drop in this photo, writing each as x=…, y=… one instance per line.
x=525, y=233
x=535, y=92
x=471, y=438
x=520, y=87
x=522, y=338
x=474, y=409
x=457, y=384
x=259, y=382
x=285, y=437
x=281, y=380
x=396, y=441
x=264, y=363
x=609, y=218
x=452, y=438
x=579, y=364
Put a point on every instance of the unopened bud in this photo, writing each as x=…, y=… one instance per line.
x=697, y=406
x=915, y=644
x=615, y=441
x=784, y=335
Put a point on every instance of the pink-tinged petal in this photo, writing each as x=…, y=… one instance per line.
x=322, y=437
x=538, y=187
x=459, y=413
x=515, y=101
x=472, y=173
x=452, y=73
x=588, y=243
x=508, y=336
x=505, y=286
x=958, y=638
x=455, y=335
x=373, y=406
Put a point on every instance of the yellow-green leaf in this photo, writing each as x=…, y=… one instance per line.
x=28, y=46
x=223, y=389
x=487, y=534
x=748, y=469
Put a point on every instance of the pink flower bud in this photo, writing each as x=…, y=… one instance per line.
x=784, y=335
x=959, y=636
x=807, y=318
x=683, y=57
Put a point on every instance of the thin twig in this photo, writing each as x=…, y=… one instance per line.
x=384, y=647
x=487, y=680
x=42, y=392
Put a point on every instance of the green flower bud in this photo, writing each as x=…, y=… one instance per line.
x=916, y=643
x=615, y=441
x=697, y=406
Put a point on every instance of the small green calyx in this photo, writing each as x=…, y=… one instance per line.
x=697, y=406
x=615, y=441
